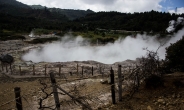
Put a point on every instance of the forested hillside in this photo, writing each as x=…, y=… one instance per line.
x=19, y=17
x=70, y=13
x=14, y=3
x=147, y=21
x=16, y=16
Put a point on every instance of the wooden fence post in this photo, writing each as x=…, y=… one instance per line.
x=6, y=68
x=137, y=81
x=18, y=98
x=56, y=97
x=112, y=86
x=120, y=82
x=11, y=69
x=77, y=68
x=45, y=70
x=59, y=70
x=100, y=70
x=2, y=66
x=82, y=70
x=92, y=70
x=33, y=70
x=78, y=100
x=20, y=70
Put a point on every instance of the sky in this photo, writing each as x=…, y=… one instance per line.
x=113, y=5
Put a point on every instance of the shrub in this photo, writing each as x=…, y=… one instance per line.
x=178, y=83
x=174, y=56
x=43, y=40
x=154, y=81
x=12, y=37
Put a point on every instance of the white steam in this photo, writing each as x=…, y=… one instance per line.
x=32, y=34
x=77, y=49
x=173, y=24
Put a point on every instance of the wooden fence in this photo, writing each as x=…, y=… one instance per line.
x=59, y=70
x=88, y=101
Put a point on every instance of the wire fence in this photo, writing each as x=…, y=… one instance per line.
x=10, y=100
x=64, y=71
x=88, y=92
x=84, y=86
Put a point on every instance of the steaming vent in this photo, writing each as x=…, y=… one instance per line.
x=173, y=24
x=79, y=49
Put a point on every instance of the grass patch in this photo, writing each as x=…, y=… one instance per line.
x=8, y=35
x=42, y=40
x=101, y=37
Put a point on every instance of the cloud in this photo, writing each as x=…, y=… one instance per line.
x=101, y=5
x=103, y=2
x=179, y=10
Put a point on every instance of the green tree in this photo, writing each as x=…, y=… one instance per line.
x=103, y=34
x=174, y=56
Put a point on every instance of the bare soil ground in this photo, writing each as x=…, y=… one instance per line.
x=169, y=97
x=31, y=91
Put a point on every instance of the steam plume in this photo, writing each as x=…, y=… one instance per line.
x=77, y=49
x=173, y=24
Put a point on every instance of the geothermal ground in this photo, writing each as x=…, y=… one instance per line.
x=169, y=97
